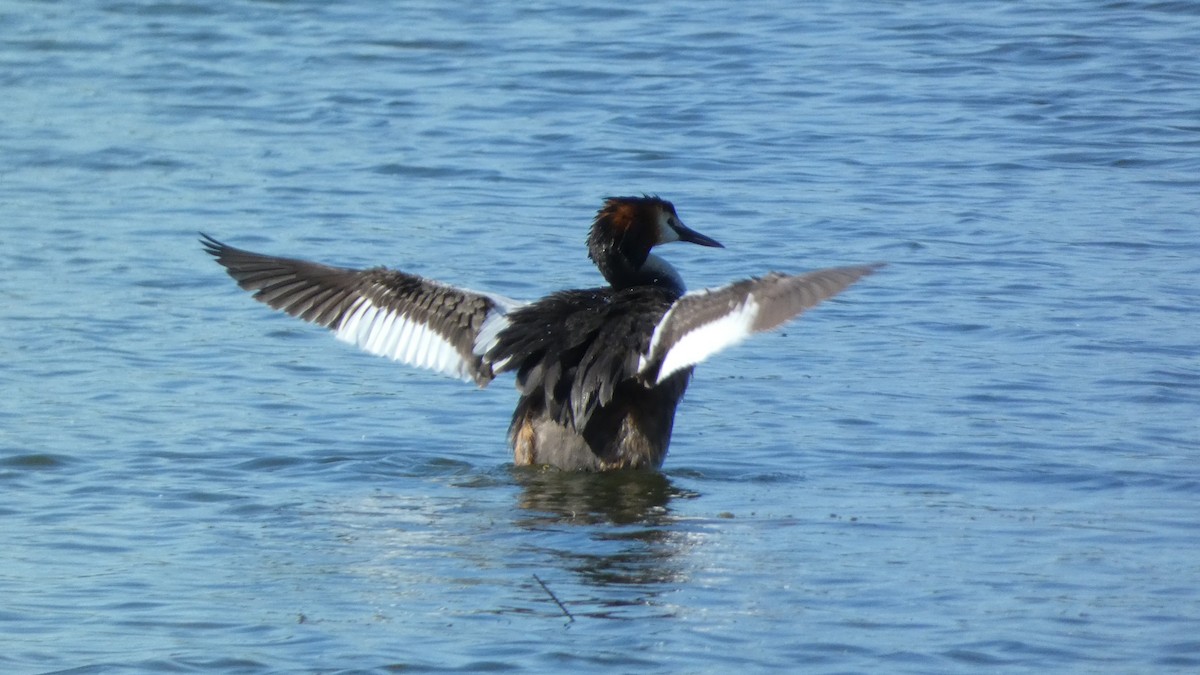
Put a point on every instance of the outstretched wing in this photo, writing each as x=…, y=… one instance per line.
x=703, y=323
x=385, y=312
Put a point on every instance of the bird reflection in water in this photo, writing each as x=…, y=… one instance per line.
x=626, y=517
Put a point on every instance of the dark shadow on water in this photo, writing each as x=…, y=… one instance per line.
x=627, y=534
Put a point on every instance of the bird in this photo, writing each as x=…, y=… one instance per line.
x=599, y=371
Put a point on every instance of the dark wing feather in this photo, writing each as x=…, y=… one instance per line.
x=385, y=312
x=572, y=349
x=702, y=323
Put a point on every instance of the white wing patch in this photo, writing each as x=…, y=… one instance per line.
x=489, y=332
x=495, y=321
x=400, y=337
x=705, y=340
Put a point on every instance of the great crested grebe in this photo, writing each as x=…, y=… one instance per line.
x=600, y=371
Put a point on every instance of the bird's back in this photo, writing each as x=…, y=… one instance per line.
x=576, y=355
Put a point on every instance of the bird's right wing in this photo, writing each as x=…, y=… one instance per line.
x=702, y=323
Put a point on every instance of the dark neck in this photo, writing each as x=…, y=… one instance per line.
x=620, y=272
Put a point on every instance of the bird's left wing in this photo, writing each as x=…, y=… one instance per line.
x=385, y=312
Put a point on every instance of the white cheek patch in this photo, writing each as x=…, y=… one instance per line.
x=401, y=338
x=666, y=233
x=706, y=340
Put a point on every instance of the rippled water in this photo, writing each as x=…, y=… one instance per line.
x=985, y=456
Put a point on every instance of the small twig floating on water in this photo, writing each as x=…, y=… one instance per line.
x=554, y=598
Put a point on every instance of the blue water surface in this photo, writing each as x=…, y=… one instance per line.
x=984, y=457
